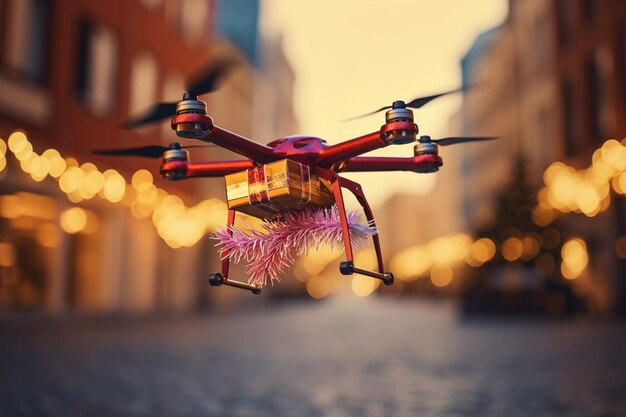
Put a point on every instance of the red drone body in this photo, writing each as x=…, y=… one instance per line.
x=311, y=155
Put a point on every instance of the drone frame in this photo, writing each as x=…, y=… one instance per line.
x=327, y=162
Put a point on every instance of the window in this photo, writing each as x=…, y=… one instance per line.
x=143, y=84
x=188, y=18
x=25, y=29
x=96, y=62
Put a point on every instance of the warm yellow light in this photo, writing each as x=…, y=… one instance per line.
x=141, y=178
x=318, y=287
x=114, y=186
x=530, y=247
x=512, y=249
x=47, y=235
x=575, y=258
x=71, y=179
x=366, y=259
x=25, y=151
x=147, y=193
x=552, y=171
x=317, y=259
x=39, y=168
x=411, y=263
x=364, y=286
x=71, y=162
x=3, y=163
x=619, y=183
x=7, y=254
x=441, y=276
x=3, y=147
x=73, y=220
x=542, y=216
x=10, y=206
x=483, y=250
x=588, y=200
x=614, y=154
x=17, y=141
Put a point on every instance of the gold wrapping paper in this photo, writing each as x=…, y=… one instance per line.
x=268, y=190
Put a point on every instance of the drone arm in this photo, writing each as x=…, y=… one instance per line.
x=391, y=133
x=351, y=148
x=185, y=169
x=241, y=145
x=419, y=163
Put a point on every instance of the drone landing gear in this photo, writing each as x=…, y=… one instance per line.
x=218, y=279
x=347, y=267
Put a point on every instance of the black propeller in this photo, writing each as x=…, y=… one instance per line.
x=455, y=139
x=201, y=85
x=150, y=151
x=416, y=103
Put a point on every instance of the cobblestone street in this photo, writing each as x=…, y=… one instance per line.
x=342, y=357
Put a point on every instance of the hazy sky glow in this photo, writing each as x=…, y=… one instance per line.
x=351, y=57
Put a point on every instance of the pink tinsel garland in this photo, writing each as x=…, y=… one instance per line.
x=270, y=251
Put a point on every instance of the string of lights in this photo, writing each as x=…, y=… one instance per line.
x=177, y=224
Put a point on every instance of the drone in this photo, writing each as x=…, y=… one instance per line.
x=315, y=165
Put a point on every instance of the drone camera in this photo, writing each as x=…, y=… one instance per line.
x=191, y=120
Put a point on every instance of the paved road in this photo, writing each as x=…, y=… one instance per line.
x=342, y=357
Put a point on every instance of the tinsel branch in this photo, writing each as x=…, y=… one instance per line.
x=271, y=250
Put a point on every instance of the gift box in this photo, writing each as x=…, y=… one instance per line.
x=271, y=189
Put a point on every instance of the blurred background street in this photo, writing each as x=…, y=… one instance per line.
x=340, y=357
x=510, y=262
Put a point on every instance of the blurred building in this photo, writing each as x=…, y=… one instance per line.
x=552, y=83
x=70, y=73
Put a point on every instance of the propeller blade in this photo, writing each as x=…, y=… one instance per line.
x=150, y=151
x=421, y=101
x=157, y=112
x=202, y=85
x=416, y=103
x=208, y=82
x=461, y=139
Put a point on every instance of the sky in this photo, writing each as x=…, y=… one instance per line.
x=353, y=56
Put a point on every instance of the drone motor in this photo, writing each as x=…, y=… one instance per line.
x=191, y=120
x=399, y=113
x=175, y=153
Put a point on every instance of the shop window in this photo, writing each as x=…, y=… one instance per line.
x=29, y=237
x=96, y=75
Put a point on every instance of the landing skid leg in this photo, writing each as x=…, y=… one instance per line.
x=217, y=279
x=347, y=267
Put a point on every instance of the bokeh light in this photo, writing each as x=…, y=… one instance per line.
x=575, y=258
x=73, y=220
